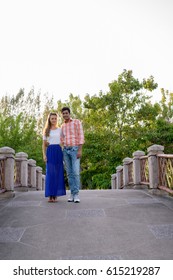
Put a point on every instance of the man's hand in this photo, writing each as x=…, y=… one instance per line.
x=79, y=153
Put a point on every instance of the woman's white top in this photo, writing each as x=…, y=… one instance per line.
x=54, y=136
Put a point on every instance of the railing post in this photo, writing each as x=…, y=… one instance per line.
x=32, y=178
x=126, y=171
x=113, y=181
x=137, y=166
x=39, y=178
x=22, y=157
x=153, y=151
x=43, y=182
x=8, y=153
x=2, y=175
x=118, y=169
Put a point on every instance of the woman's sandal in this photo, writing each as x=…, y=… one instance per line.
x=55, y=199
x=50, y=199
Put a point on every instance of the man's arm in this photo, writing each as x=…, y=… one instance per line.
x=61, y=138
x=81, y=139
x=79, y=153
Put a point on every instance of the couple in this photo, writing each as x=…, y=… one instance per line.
x=71, y=137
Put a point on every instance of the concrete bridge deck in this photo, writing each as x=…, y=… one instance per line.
x=107, y=224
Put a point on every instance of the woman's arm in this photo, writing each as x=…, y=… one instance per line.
x=44, y=147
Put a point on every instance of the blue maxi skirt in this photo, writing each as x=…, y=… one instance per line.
x=55, y=183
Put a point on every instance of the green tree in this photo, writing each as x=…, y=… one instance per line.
x=115, y=116
x=162, y=130
x=22, y=118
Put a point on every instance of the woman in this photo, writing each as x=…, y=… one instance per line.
x=53, y=156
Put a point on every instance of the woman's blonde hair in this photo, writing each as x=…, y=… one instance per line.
x=46, y=130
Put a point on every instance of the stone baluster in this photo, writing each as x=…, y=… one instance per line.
x=39, y=178
x=137, y=166
x=153, y=151
x=8, y=153
x=126, y=162
x=118, y=169
x=22, y=157
x=113, y=181
x=43, y=182
x=32, y=164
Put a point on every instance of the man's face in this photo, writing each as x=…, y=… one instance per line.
x=66, y=115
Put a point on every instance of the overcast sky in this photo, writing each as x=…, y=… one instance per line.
x=79, y=46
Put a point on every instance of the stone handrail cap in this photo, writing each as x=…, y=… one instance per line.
x=38, y=168
x=32, y=162
x=127, y=160
x=119, y=167
x=113, y=176
x=138, y=153
x=22, y=155
x=7, y=150
x=155, y=148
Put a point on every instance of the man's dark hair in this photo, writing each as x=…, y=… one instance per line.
x=65, y=108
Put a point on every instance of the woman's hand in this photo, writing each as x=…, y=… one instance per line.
x=46, y=144
x=45, y=158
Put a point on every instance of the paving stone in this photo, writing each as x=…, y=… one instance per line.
x=92, y=257
x=26, y=216
x=162, y=231
x=9, y=234
x=23, y=203
x=21, y=251
x=85, y=213
x=142, y=201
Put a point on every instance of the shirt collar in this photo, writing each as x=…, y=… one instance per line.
x=69, y=120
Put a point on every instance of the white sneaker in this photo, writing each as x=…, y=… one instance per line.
x=71, y=198
x=76, y=198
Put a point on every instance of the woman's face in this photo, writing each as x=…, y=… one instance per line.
x=53, y=119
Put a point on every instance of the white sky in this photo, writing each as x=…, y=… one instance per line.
x=79, y=46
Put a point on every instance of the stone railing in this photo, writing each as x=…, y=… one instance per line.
x=154, y=170
x=19, y=173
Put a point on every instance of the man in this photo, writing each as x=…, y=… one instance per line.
x=72, y=138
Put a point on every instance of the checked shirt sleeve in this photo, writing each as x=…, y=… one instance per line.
x=80, y=133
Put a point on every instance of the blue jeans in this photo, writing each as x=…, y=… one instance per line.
x=72, y=164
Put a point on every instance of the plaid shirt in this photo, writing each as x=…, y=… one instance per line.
x=72, y=133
